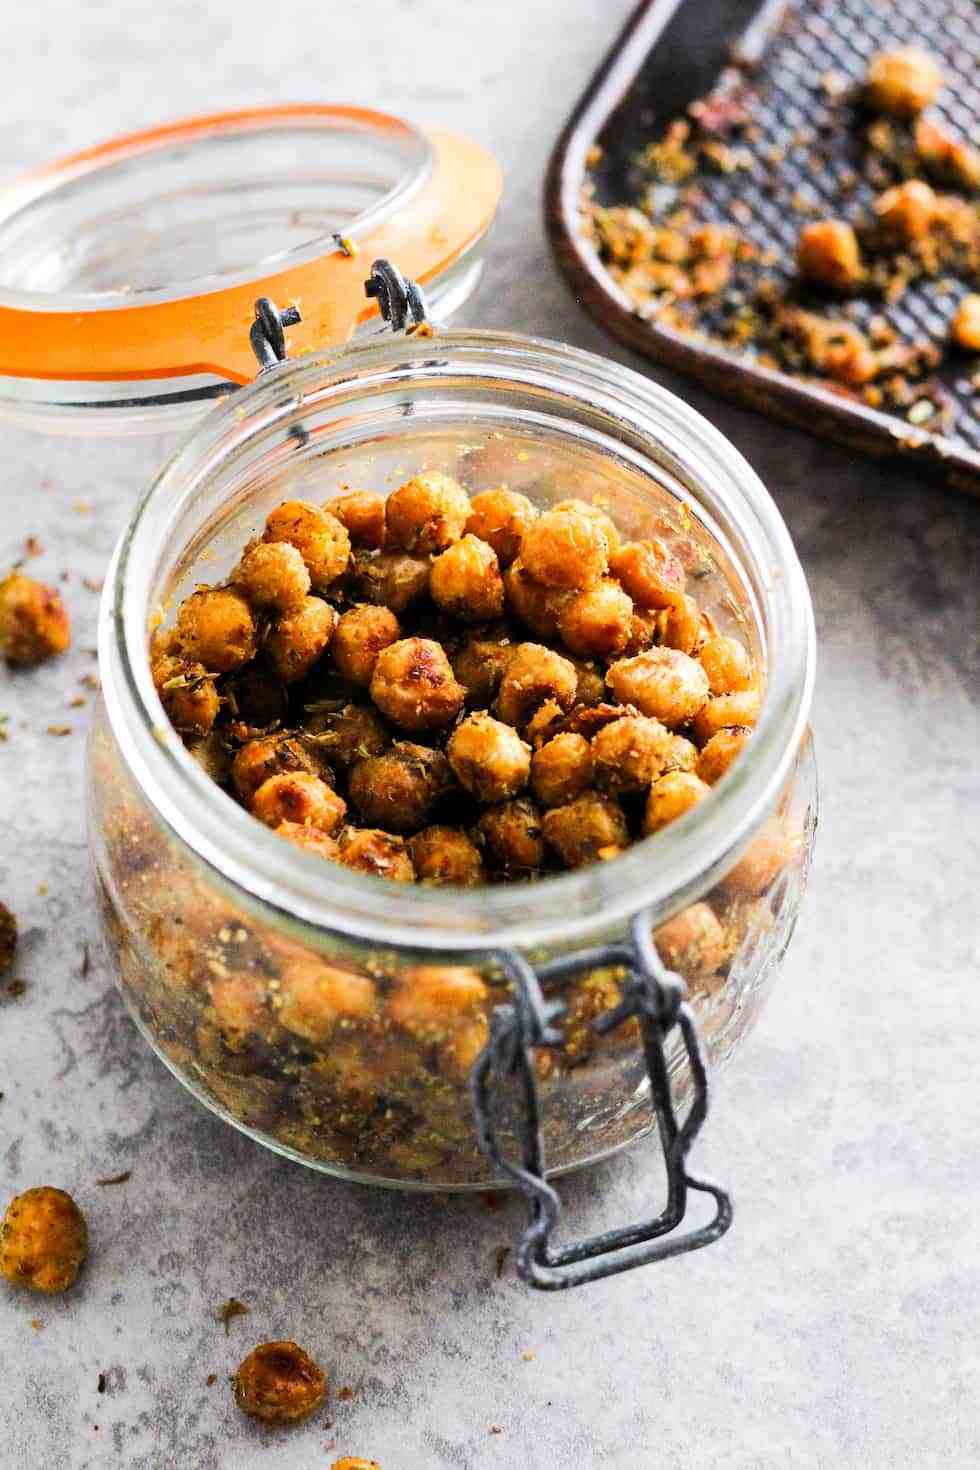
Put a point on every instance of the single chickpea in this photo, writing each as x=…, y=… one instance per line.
x=480, y=665
x=500, y=517
x=561, y=770
x=315, y=998
x=693, y=942
x=392, y=579
x=489, y=758
x=272, y=575
x=319, y=537
x=215, y=628
x=368, y=850
x=279, y=1383
x=908, y=210
x=398, y=790
x=33, y=622
x=589, y=829
x=663, y=683
x=310, y=839
x=680, y=626
x=428, y=513
x=683, y=755
x=355, y=1462
x=43, y=1240
x=723, y=711
x=589, y=720
x=431, y=1000
x=188, y=694
x=902, y=83
x=565, y=549
x=348, y=735
x=536, y=606
x=597, y=620
x=465, y=581
x=269, y=755
x=829, y=255
x=359, y=637
x=299, y=639
x=362, y=512
x=727, y=664
x=544, y=724
x=772, y=850
x=443, y=855
x=596, y=514
x=413, y=684
x=629, y=754
x=965, y=326
x=947, y=158
x=644, y=630
x=670, y=797
x=296, y=796
x=535, y=674
x=650, y=572
x=721, y=751
x=511, y=837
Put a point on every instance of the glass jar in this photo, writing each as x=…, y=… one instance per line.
x=278, y=987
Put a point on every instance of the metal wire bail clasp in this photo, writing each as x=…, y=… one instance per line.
x=399, y=300
x=267, y=333
x=658, y=999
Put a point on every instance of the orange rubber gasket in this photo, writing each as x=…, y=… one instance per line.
x=208, y=333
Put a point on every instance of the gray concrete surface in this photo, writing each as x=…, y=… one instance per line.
x=837, y=1325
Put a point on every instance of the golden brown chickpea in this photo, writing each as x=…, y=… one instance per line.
x=723, y=711
x=662, y=682
x=965, y=326
x=315, y=998
x=902, y=83
x=318, y=536
x=727, y=665
x=680, y=626
x=644, y=631
x=561, y=770
x=397, y=791
x=428, y=513
x=535, y=674
x=597, y=620
x=446, y=855
x=829, y=255
x=348, y=735
x=363, y=514
x=721, y=751
x=589, y=829
x=413, y=684
x=298, y=640
x=650, y=572
x=43, y=1240
x=593, y=513
x=489, y=758
x=355, y=1462
x=188, y=694
x=629, y=754
x=945, y=157
x=279, y=1383
x=431, y=1000
x=536, y=606
x=368, y=850
x=33, y=622
x=565, y=549
x=544, y=724
x=269, y=755
x=296, y=796
x=908, y=210
x=682, y=756
x=670, y=797
x=359, y=637
x=465, y=581
x=480, y=665
x=392, y=579
x=310, y=839
x=273, y=576
x=500, y=517
x=693, y=942
x=215, y=628
x=511, y=837
x=770, y=851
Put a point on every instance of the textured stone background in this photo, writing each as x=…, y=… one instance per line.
x=837, y=1325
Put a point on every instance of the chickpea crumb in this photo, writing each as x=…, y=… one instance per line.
x=34, y=625
x=902, y=83
x=965, y=326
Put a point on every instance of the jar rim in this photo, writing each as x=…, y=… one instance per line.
x=691, y=853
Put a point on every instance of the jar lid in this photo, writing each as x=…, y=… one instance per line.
x=129, y=272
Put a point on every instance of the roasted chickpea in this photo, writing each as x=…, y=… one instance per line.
x=311, y=839
x=431, y=1000
x=902, y=83
x=680, y=626
x=965, y=326
x=269, y=755
x=413, y=684
x=561, y=770
x=644, y=630
x=348, y=735
x=773, y=849
x=591, y=686
x=188, y=694
x=296, y=796
x=544, y=724
x=662, y=682
x=589, y=829
x=319, y=537
x=597, y=620
x=565, y=549
x=33, y=622
x=650, y=572
x=355, y=1462
x=670, y=797
x=480, y=665
x=724, y=711
x=829, y=255
x=279, y=1383
x=359, y=637
x=371, y=851
x=535, y=674
x=489, y=758
x=397, y=791
x=273, y=576
x=511, y=836
x=727, y=665
x=692, y=942
x=947, y=158
x=362, y=512
x=315, y=998
x=215, y=628
x=500, y=517
x=446, y=855
x=536, y=606
x=43, y=1240
x=299, y=639
x=428, y=513
x=629, y=754
x=239, y=1008
x=908, y=210
x=721, y=751
x=392, y=579
x=682, y=756
x=465, y=581
x=593, y=513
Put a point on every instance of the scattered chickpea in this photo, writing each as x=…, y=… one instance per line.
x=536, y=606
x=829, y=255
x=670, y=797
x=369, y=850
x=480, y=665
x=355, y=1462
x=629, y=754
x=723, y=711
x=362, y=512
x=215, y=628
x=393, y=579
x=561, y=769
x=500, y=517
x=597, y=620
x=902, y=83
x=446, y=855
x=720, y=751
x=272, y=575
x=428, y=513
x=359, y=637
x=590, y=828
x=727, y=665
x=398, y=790
x=188, y=694
x=319, y=537
x=566, y=549
x=965, y=326
x=693, y=942
x=279, y=1383
x=299, y=639
x=662, y=682
x=316, y=998
x=414, y=685
x=33, y=622
x=296, y=796
x=269, y=755
x=43, y=1240
x=489, y=758
x=650, y=572
x=310, y=839
x=908, y=210
x=534, y=674
x=512, y=839
x=465, y=581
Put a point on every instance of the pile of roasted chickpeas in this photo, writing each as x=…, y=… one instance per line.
x=456, y=691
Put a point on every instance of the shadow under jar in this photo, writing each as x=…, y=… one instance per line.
x=273, y=982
